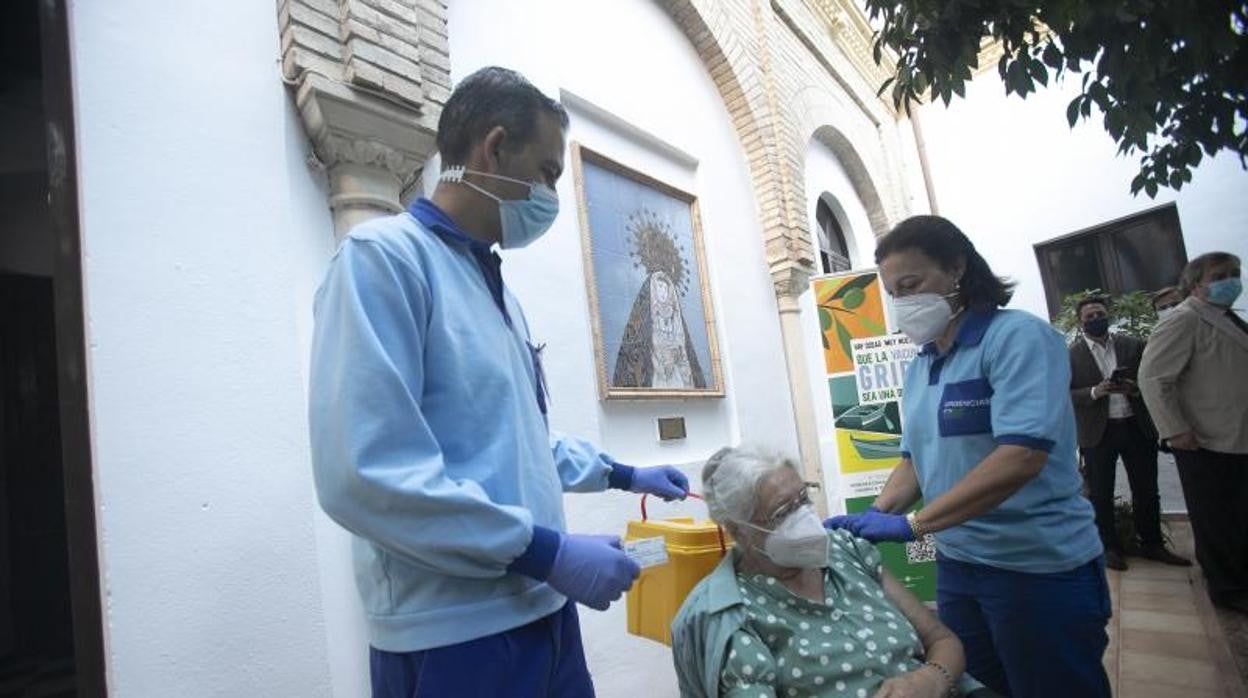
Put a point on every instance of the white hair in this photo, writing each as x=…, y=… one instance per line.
x=730, y=480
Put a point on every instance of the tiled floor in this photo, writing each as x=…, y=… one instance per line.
x=1164, y=639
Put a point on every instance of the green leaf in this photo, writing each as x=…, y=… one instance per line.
x=872, y=326
x=1114, y=123
x=1039, y=73
x=883, y=87
x=920, y=83
x=854, y=298
x=825, y=319
x=1052, y=56
x=1193, y=155
x=843, y=335
x=824, y=337
x=1072, y=111
x=860, y=282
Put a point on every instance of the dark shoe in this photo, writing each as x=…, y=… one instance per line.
x=1165, y=557
x=1114, y=560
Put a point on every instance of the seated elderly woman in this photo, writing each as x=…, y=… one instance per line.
x=798, y=610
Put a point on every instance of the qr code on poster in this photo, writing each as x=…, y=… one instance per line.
x=921, y=550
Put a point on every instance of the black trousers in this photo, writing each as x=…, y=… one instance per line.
x=1125, y=438
x=1215, y=487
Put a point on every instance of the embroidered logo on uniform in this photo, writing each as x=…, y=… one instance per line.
x=966, y=408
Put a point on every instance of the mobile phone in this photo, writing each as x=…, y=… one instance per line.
x=1119, y=375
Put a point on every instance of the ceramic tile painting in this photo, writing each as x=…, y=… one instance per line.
x=645, y=271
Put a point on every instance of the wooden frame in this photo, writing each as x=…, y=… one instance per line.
x=608, y=387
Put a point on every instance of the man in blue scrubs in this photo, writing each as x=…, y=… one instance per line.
x=429, y=429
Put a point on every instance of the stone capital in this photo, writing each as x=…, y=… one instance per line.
x=791, y=279
x=370, y=78
x=373, y=145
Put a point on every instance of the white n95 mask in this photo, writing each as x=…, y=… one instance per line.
x=800, y=541
x=923, y=316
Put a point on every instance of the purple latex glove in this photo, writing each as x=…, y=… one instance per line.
x=878, y=527
x=592, y=570
x=661, y=481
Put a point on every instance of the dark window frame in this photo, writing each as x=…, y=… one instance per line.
x=1103, y=238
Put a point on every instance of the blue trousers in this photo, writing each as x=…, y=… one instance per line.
x=543, y=658
x=1026, y=635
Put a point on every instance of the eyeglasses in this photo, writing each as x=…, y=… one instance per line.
x=780, y=513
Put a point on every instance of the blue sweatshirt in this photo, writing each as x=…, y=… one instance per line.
x=429, y=435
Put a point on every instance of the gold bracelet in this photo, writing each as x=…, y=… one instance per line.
x=915, y=527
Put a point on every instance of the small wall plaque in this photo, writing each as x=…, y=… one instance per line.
x=671, y=428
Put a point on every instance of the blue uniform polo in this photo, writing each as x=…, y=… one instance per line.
x=1006, y=380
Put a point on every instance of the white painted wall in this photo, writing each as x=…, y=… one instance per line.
x=204, y=236
x=1011, y=173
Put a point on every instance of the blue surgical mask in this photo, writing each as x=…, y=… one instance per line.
x=522, y=220
x=1224, y=292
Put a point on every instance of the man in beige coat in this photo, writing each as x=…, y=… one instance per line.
x=1194, y=376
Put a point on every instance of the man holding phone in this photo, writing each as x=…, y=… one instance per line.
x=1113, y=422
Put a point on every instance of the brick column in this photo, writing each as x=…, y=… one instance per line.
x=370, y=79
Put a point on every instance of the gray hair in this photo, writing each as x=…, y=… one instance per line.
x=1195, y=269
x=730, y=480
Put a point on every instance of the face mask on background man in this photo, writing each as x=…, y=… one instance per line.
x=1096, y=327
x=1224, y=292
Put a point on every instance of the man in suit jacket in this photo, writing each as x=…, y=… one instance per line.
x=1194, y=377
x=1113, y=422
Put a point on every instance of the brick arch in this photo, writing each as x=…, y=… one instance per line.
x=739, y=63
x=823, y=118
x=859, y=176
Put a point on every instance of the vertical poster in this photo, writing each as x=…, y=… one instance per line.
x=866, y=367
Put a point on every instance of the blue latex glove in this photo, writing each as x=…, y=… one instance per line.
x=845, y=521
x=878, y=527
x=662, y=481
x=592, y=570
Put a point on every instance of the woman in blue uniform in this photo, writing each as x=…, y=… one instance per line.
x=989, y=444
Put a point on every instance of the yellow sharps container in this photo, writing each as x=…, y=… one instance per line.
x=693, y=549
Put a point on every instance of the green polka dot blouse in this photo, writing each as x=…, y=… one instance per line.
x=845, y=645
